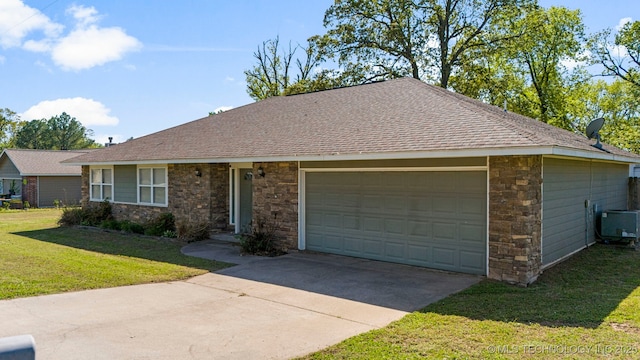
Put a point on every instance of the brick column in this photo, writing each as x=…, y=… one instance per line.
x=84, y=187
x=30, y=190
x=515, y=213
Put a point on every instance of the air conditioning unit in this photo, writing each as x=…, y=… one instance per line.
x=619, y=225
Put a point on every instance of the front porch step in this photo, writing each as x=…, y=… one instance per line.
x=226, y=236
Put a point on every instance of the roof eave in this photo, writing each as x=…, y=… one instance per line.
x=448, y=153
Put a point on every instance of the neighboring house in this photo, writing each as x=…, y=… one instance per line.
x=396, y=171
x=37, y=176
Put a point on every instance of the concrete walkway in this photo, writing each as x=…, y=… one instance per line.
x=271, y=308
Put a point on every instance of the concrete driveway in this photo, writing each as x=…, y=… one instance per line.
x=262, y=308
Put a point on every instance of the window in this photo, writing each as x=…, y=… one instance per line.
x=101, y=184
x=152, y=185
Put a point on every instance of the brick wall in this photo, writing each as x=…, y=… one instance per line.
x=192, y=198
x=515, y=218
x=84, y=186
x=30, y=190
x=275, y=199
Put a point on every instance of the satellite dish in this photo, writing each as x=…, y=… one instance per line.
x=593, y=131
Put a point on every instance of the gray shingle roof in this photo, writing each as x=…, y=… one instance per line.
x=43, y=162
x=395, y=118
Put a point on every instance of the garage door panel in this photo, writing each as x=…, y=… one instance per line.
x=442, y=181
x=333, y=221
x=444, y=231
x=372, y=202
x=397, y=202
x=471, y=234
x=472, y=261
x=352, y=245
x=418, y=228
x=443, y=204
x=444, y=257
x=350, y=200
x=372, y=248
x=351, y=222
x=372, y=224
x=420, y=218
x=395, y=250
x=419, y=204
x=419, y=254
x=471, y=206
x=394, y=226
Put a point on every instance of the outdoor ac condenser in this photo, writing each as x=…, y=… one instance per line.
x=618, y=225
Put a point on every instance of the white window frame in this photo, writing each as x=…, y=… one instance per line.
x=103, y=196
x=165, y=185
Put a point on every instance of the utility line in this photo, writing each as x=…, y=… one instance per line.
x=25, y=20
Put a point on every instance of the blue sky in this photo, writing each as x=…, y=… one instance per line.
x=130, y=68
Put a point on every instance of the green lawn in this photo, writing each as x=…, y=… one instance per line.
x=585, y=308
x=37, y=257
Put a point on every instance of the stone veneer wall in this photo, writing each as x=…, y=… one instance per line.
x=191, y=198
x=275, y=199
x=515, y=218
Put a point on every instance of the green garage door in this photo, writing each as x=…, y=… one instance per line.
x=431, y=219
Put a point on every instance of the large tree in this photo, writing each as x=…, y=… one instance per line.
x=529, y=73
x=280, y=71
x=426, y=39
x=620, y=58
x=550, y=36
x=61, y=132
x=618, y=102
x=9, y=124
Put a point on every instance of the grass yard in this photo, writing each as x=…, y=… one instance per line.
x=37, y=257
x=585, y=308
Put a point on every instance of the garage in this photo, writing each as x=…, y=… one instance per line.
x=435, y=219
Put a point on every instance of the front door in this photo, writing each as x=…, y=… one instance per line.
x=246, y=199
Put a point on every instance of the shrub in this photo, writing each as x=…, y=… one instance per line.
x=111, y=224
x=170, y=234
x=6, y=205
x=132, y=227
x=71, y=216
x=193, y=231
x=91, y=216
x=261, y=240
x=159, y=225
x=94, y=215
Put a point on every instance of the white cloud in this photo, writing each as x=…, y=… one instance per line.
x=618, y=51
x=580, y=60
x=622, y=23
x=85, y=48
x=222, y=108
x=43, y=45
x=88, y=111
x=87, y=45
x=17, y=20
x=84, y=16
